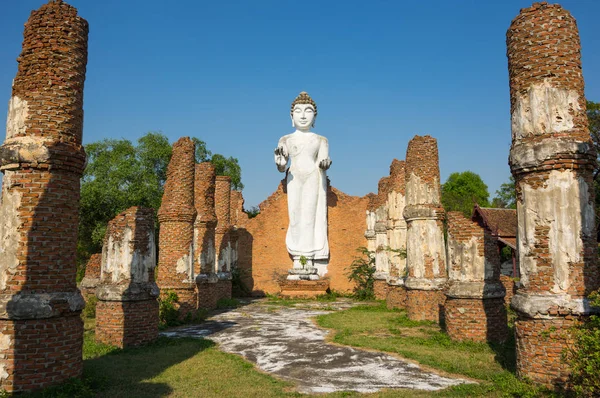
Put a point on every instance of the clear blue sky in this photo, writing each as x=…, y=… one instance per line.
x=380, y=72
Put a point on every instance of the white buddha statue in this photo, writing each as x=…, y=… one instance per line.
x=306, y=238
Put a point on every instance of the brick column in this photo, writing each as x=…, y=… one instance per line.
x=176, y=217
x=382, y=263
x=474, y=308
x=223, y=236
x=90, y=281
x=396, y=230
x=223, y=211
x=42, y=160
x=204, y=236
x=426, y=253
x=552, y=159
x=371, y=218
x=127, y=310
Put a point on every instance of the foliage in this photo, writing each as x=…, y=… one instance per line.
x=461, y=191
x=120, y=174
x=584, y=355
x=228, y=167
x=253, y=211
x=228, y=303
x=593, y=116
x=506, y=196
x=361, y=273
x=89, y=311
x=238, y=287
x=168, y=314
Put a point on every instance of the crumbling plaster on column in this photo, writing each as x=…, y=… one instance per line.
x=543, y=109
x=419, y=192
x=9, y=228
x=563, y=204
x=426, y=240
x=18, y=113
x=123, y=263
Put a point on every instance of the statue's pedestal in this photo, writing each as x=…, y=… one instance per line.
x=303, y=288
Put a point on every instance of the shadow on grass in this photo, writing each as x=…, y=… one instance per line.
x=505, y=353
x=129, y=372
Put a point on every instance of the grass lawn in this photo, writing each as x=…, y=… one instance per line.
x=196, y=368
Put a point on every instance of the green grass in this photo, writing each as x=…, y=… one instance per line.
x=196, y=368
x=376, y=327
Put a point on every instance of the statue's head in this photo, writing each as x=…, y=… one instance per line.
x=303, y=111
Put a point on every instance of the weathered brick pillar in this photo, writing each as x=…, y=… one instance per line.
x=41, y=331
x=371, y=219
x=223, y=211
x=382, y=261
x=204, y=236
x=90, y=281
x=474, y=308
x=176, y=217
x=426, y=253
x=552, y=159
x=223, y=238
x=396, y=230
x=127, y=310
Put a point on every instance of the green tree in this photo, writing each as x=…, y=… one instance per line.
x=228, y=167
x=506, y=196
x=120, y=174
x=461, y=191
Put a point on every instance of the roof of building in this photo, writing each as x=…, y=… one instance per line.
x=501, y=222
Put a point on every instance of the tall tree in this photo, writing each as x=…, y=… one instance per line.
x=461, y=191
x=120, y=174
x=506, y=196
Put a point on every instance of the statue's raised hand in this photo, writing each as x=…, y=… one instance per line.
x=325, y=163
x=281, y=151
x=281, y=158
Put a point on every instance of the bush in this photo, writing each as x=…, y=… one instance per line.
x=361, y=273
x=168, y=313
x=89, y=311
x=584, y=355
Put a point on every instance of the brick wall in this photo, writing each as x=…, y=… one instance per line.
x=262, y=253
x=380, y=288
x=42, y=160
x=425, y=305
x=476, y=319
x=223, y=211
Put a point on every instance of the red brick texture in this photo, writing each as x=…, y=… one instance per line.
x=540, y=344
x=510, y=287
x=125, y=318
x=210, y=293
x=380, y=288
x=304, y=289
x=262, y=255
x=41, y=352
x=476, y=316
x=476, y=319
x=423, y=208
x=206, y=219
x=223, y=211
x=543, y=48
x=92, y=276
x=42, y=160
x=396, y=297
x=425, y=305
x=176, y=217
x=126, y=323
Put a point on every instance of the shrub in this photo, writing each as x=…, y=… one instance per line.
x=89, y=311
x=168, y=313
x=584, y=355
x=361, y=273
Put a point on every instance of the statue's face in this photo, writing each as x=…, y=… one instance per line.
x=303, y=116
